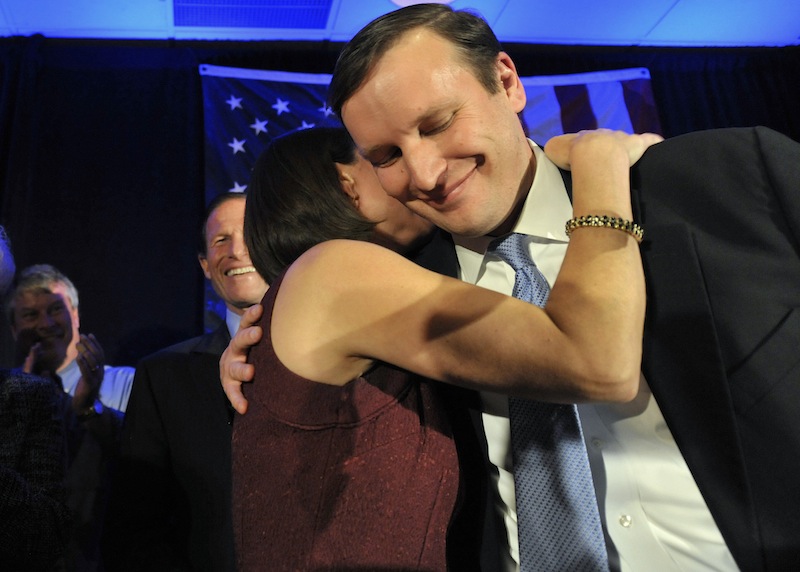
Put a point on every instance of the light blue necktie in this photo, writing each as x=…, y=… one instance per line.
x=557, y=515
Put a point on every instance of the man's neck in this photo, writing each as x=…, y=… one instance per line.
x=524, y=188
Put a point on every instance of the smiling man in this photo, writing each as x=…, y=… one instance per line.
x=43, y=311
x=699, y=471
x=171, y=507
x=45, y=323
x=224, y=258
x=42, y=331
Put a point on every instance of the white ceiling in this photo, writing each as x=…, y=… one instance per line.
x=600, y=22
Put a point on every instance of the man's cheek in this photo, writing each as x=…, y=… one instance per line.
x=392, y=183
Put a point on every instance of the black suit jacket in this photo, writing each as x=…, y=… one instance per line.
x=171, y=505
x=721, y=253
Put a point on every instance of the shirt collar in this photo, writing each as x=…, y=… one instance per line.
x=232, y=320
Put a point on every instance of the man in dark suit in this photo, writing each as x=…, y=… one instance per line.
x=171, y=500
x=702, y=473
x=699, y=471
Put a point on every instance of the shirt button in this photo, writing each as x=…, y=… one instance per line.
x=625, y=520
x=597, y=443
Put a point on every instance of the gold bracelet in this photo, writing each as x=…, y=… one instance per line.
x=628, y=226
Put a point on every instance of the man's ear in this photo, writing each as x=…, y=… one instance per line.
x=204, y=265
x=75, y=316
x=512, y=85
x=347, y=182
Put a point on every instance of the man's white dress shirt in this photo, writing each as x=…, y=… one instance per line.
x=115, y=389
x=232, y=320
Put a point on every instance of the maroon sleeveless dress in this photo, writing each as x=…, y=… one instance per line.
x=360, y=477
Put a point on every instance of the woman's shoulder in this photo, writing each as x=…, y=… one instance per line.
x=342, y=257
x=346, y=247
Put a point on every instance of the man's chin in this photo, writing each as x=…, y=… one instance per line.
x=240, y=306
x=248, y=299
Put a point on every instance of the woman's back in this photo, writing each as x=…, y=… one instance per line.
x=359, y=477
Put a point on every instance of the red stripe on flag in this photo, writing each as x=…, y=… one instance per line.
x=576, y=108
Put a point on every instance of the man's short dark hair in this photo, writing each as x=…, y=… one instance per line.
x=470, y=34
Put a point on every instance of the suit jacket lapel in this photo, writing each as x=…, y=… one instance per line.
x=215, y=342
x=681, y=358
x=685, y=371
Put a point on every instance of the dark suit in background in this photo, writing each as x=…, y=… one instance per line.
x=171, y=506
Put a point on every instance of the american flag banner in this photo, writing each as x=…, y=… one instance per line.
x=617, y=99
x=244, y=109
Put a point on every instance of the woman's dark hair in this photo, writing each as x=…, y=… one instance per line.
x=295, y=199
x=471, y=36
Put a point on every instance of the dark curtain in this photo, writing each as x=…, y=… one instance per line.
x=102, y=177
x=102, y=154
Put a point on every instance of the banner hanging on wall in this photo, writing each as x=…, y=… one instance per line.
x=244, y=109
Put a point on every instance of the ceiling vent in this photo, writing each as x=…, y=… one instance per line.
x=305, y=14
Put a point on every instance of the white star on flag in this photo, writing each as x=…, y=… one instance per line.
x=326, y=111
x=237, y=188
x=234, y=102
x=281, y=106
x=306, y=125
x=259, y=126
x=237, y=146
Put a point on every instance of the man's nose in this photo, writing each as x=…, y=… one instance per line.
x=46, y=322
x=426, y=166
x=238, y=247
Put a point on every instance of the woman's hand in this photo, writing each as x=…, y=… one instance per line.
x=233, y=366
x=560, y=148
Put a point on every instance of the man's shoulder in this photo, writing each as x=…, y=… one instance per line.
x=119, y=372
x=184, y=347
x=177, y=368
x=711, y=141
x=211, y=343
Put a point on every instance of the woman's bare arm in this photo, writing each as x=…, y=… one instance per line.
x=345, y=304
x=585, y=346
